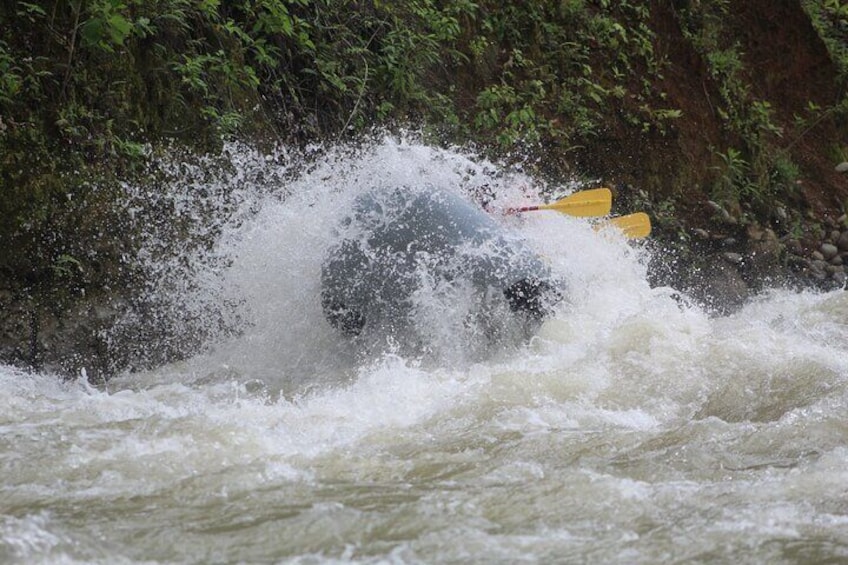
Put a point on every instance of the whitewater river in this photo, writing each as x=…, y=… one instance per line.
x=635, y=428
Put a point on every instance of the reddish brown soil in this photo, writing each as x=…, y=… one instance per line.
x=787, y=65
x=790, y=67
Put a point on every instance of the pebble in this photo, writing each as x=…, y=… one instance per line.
x=842, y=167
x=817, y=256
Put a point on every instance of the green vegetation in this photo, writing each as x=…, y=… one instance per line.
x=746, y=172
x=756, y=167
x=89, y=88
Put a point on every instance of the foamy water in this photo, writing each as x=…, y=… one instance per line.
x=633, y=429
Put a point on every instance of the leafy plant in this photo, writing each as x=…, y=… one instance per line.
x=733, y=183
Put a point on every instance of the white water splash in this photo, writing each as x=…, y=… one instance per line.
x=634, y=428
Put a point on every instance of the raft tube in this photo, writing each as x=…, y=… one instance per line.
x=394, y=239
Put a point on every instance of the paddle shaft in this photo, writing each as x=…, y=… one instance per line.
x=523, y=209
x=587, y=203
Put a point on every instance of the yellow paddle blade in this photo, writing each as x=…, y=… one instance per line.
x=634, y=226
x=594, y=202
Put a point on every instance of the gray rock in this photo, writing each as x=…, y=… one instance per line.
x=715, y=206
x=842, y=167
x=794, y=247
x=701, y=233
x=842, y=242
x=718, y=285
x=829, y=251
x=722, y=213
x=733, y=258
x=769, y=244
x=818, y=265
x=798, y=262
x=756, y=233
x=817, y=256
x=838, y=260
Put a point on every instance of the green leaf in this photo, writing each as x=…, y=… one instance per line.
x=119, y=28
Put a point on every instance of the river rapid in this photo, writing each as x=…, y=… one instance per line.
x=634, y=428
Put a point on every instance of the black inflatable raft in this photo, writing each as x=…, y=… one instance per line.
x=395, y=239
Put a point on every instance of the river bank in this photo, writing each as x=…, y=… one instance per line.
x=688, y=110
x=77, y=327
x=635, y=428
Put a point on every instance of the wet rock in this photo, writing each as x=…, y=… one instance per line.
x=764, y=260
x=768, y=243
x=719, y=286
x=723, y=214
x=713, y=282
x=842, y=242
x=817, y=272
x=830, y=222
x=794, y=246
x=755, y=232
x=715, y=207
x=798, y=262
x=819, y=276
x=733, y=258
x=828, y=251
